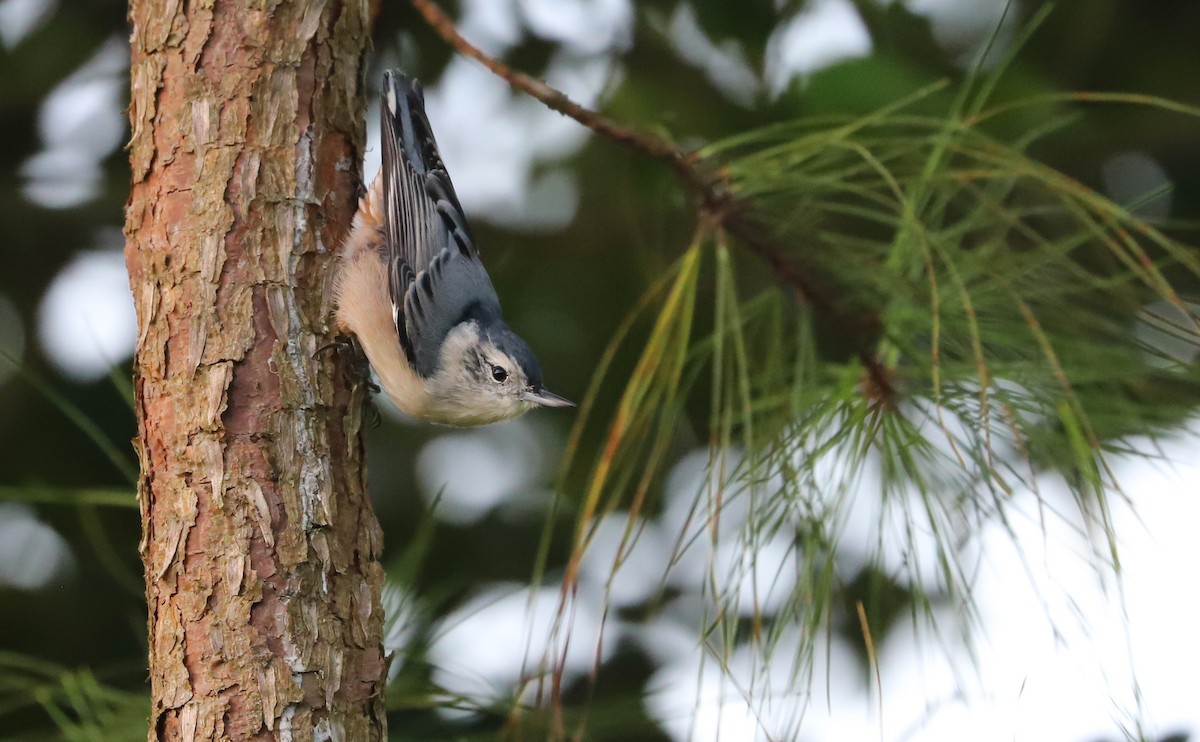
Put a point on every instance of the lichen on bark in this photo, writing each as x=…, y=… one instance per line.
x=260, y=548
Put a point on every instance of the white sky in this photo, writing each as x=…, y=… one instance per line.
x=1056, y=651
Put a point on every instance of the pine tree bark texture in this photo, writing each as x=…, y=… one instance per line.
x=260, y=548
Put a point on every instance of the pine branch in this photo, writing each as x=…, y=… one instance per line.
x=648, y=144
x=712, y=190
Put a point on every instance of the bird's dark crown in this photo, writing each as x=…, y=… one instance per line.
x=511, y=344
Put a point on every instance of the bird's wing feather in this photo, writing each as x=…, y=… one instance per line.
x=435, y=277
x=452, y=290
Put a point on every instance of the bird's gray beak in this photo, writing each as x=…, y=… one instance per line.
x=546, y=399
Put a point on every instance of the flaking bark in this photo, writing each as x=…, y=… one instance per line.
x=260, y=548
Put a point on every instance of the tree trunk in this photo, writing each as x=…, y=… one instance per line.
x=259, y=545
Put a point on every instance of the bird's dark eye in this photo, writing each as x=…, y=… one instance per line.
x=499, y=374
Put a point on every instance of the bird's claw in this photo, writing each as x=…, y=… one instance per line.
x=371, y=412
x=338, y=345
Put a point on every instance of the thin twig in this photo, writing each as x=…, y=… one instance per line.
x=711, y=189
x=878, y=384
x=647, y=143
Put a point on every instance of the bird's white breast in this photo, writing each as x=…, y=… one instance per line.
x=363, y=308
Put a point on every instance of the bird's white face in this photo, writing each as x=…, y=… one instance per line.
x=498, y=381
x=476, y=382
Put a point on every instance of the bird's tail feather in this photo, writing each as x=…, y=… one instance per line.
x=406, y=129
x=409, y=148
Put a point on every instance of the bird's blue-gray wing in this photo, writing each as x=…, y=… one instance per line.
x=435, y=277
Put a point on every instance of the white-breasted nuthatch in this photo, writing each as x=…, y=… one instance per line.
x=411, y=288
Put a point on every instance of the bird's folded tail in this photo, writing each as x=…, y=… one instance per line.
x=416, y=185
x=405, y=126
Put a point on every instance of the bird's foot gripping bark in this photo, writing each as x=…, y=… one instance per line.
x=361, y=370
